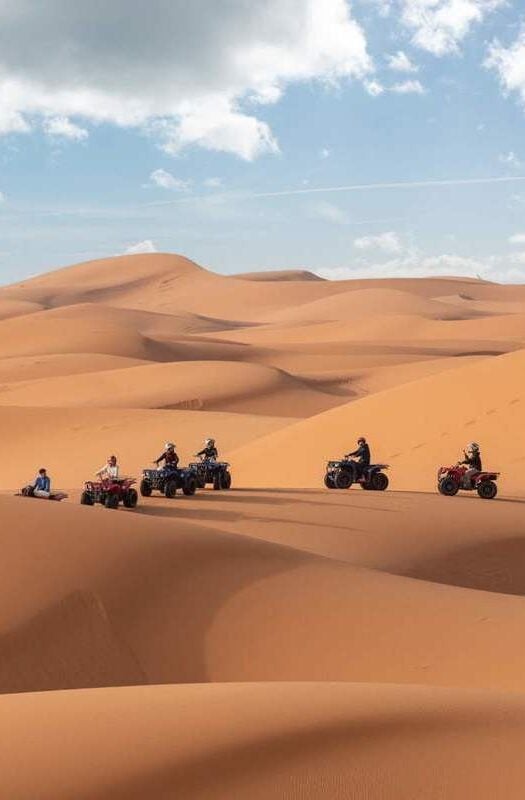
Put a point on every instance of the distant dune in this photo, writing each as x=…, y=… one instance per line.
x=280, y=639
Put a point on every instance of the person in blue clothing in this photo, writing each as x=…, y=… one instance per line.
x=42, y=484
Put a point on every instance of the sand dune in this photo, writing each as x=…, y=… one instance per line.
x=278, y=640
x=260, y=741
x=73, y=442
x=414, y=427
x=237, y=387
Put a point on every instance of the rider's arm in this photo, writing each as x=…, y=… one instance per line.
x=160, y=458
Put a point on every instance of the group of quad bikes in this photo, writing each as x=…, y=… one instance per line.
x=344, y=473
x=167, y=480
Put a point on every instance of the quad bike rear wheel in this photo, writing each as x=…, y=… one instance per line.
x=86, y=499
x=217, y=482
x=379, y=482
x=190, y=487
x=329, y=482
x=170, y=490
x=226, y=481
x=448, y=486
x=343, y=480
x=130, y=499
x=111, y=501
x=487, y=490
x=145, y=488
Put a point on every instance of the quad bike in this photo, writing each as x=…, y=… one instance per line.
x=342, y=474
x=450, y=480
x=110, y=492
x=167, y=480
x=29, y=491
x=208, y=471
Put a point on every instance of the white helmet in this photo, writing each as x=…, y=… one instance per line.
x=169, y=446
x=209, y=442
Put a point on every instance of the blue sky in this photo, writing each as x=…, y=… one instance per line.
x=210, y=131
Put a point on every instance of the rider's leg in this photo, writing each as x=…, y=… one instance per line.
x=41, y=493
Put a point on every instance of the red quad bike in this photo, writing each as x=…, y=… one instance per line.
x=29, y=491
x=110, y=493
x=451, y=481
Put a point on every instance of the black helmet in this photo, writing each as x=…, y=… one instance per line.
x=361, y=440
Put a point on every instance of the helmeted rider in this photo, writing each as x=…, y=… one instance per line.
x=110, y=470
x=42, y=484
x=169, y=456
x=209, y=452
x=472, y=460
x=360, y=457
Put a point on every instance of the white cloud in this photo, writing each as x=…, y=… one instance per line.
x=400, y=62
x=510, y=159
x=325, y=153
x=165, y=180
x=439, y=26
x=407, y=87
x=3, y=198
x=147, y=246
x=329, y=212
x=389, y=242
x=63, y=128
x=517, y=238
x=192, y=73
x=415, y=265
x=213, y=183
x=509, y=63
x=374, y=88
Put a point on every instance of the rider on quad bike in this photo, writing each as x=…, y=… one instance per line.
x=472, y=460
x=169, y=456
x=360, y=457
x=210, y=452
x=110, y=470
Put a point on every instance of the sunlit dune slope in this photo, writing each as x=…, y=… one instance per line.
x=128, y=598
x=74, y=442
x=259, y=741
x=414, y=427
x=196, y=385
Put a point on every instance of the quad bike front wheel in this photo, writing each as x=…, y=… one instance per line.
x=111, y=501
x=130, y=499
x=170, y=490
x=329, y=482
x=226, y=481
x=448, y=487
x=190, y=487
x=343, y=480
x=487, y=490
x=86, y=499
x=145, y=488
x=379, y=482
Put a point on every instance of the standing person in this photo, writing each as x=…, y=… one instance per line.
x=169, y=456
x=210, y=452
x=361, y=457
x=110, y=470
x=42, y=484
x=472, y=460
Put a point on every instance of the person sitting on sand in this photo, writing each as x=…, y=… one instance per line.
x=169, y=456
x=473, y=461
x=210, y=452
x=42, y=484
x=110, y=470
x=361, y=457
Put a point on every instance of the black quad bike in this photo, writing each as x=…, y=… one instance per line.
x=342, y=474
x=216, y=473
x=167, y=481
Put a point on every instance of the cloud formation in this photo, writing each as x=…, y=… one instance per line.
x=147, y=246
x=165, y=180
x=439, y=26
x=191, y=73
x=389, y=242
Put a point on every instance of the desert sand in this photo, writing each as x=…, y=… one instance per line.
x=278, y=640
